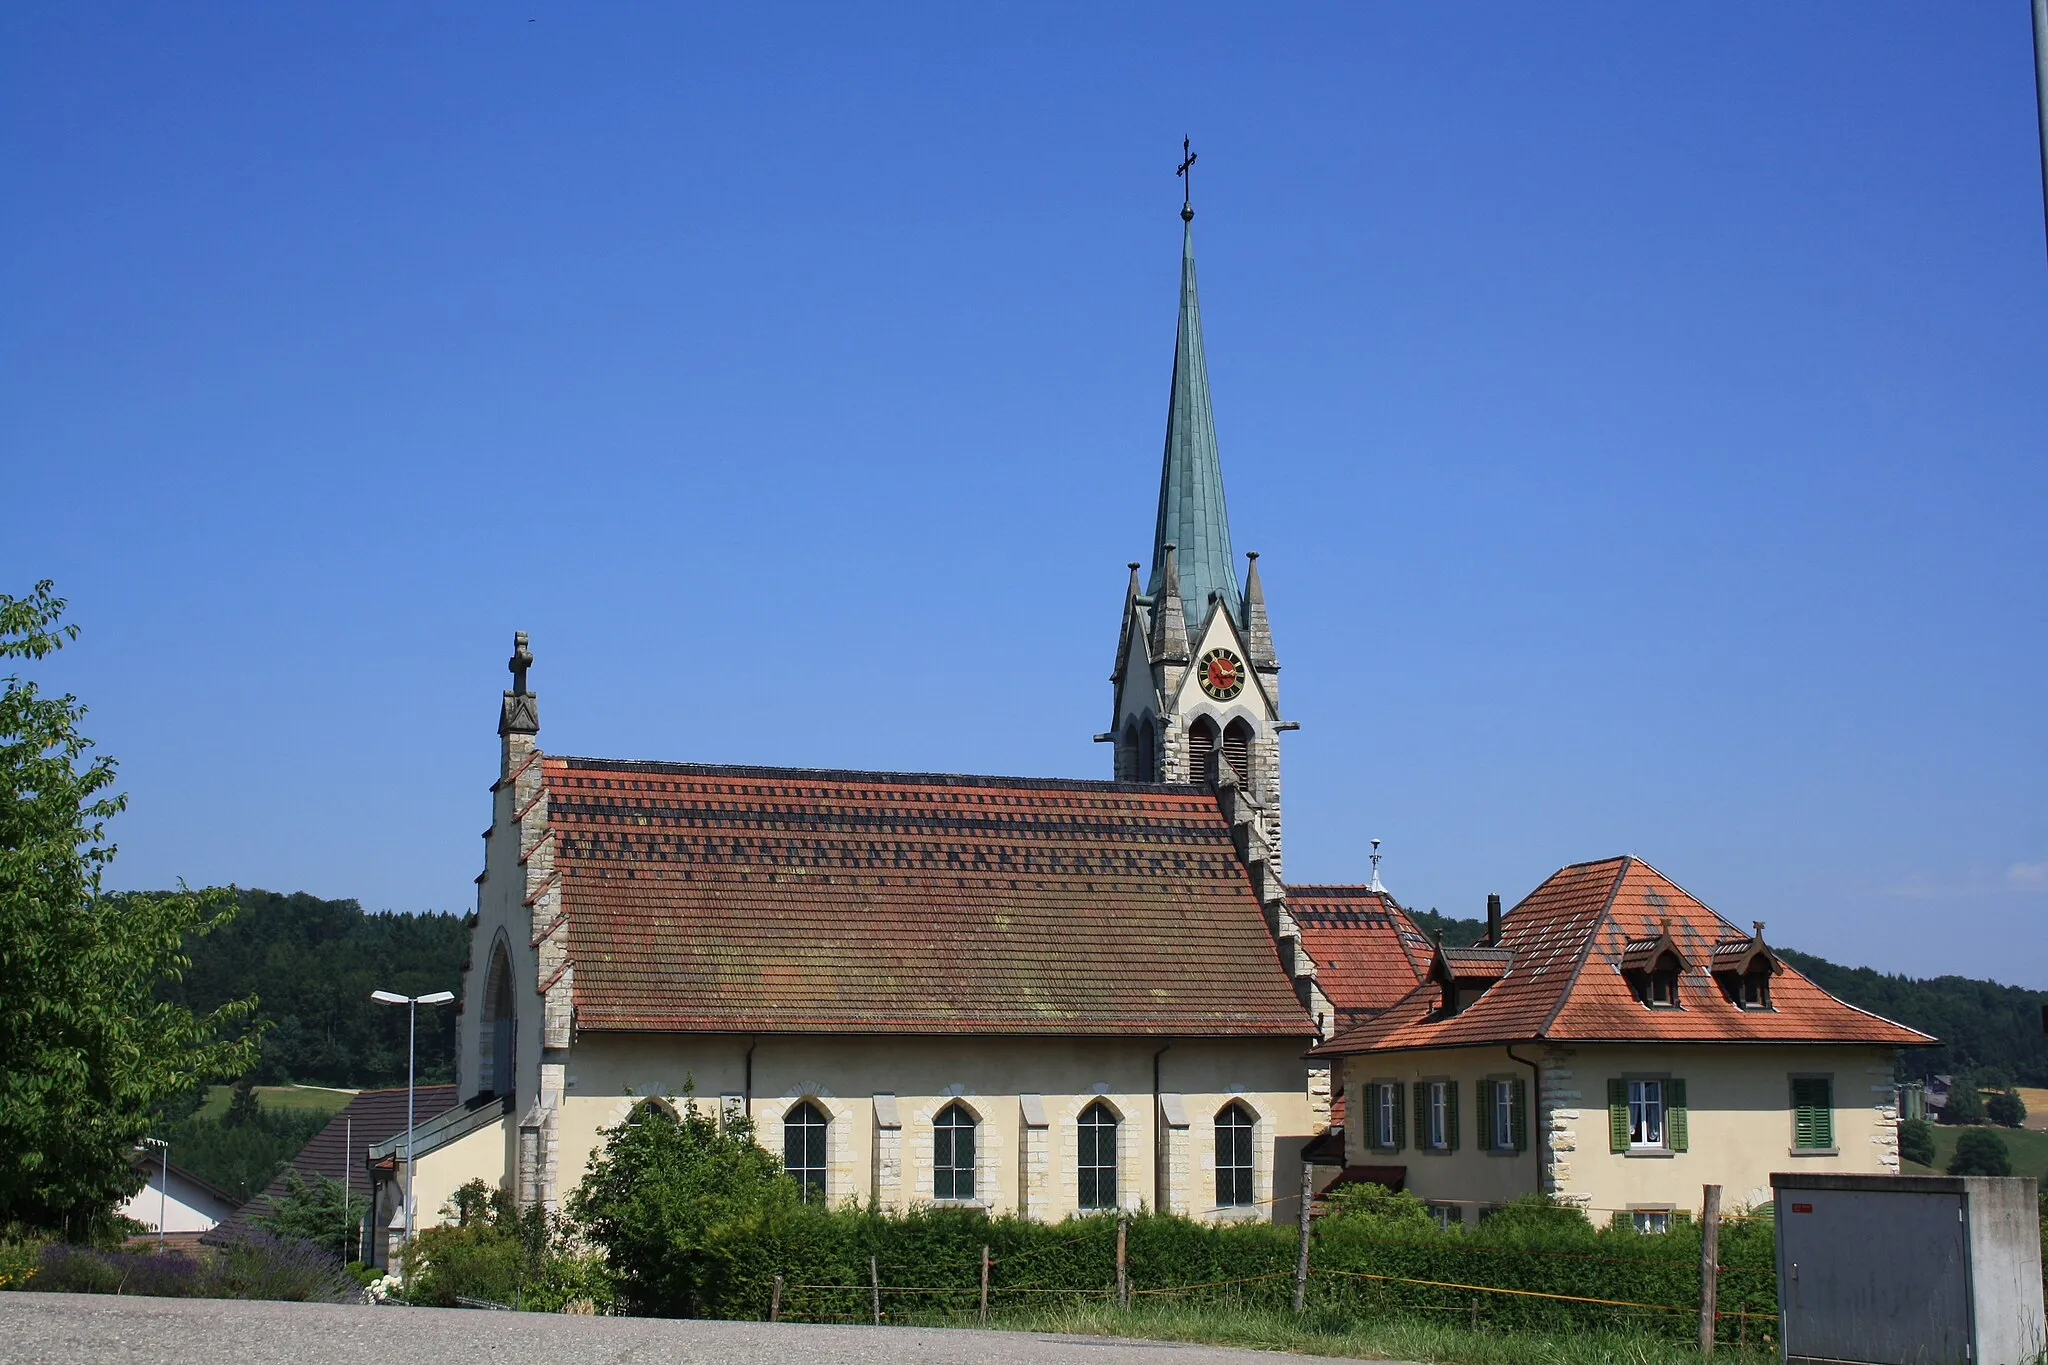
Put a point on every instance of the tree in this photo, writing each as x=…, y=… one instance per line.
x=1916, y=1141
x=2005, y=1108
x=321, y=1212
x=1980, y=1152
x=1964, y=1105
x=86, y=1052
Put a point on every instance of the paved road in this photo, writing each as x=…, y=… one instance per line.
x=86, y=1329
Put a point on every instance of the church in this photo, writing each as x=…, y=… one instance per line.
x=1046, y=996
x=1034, y=995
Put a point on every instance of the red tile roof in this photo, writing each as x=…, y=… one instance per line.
x=704, y=898
x=1368, y=953
x=1568, y=938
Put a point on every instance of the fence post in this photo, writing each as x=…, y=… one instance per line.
x=875, y=1288
x=1123, y=1280
x=1710, y=1263
x=984, y=1284
x=775, y=1301
x=1473, y=1319
x=1308, y=1182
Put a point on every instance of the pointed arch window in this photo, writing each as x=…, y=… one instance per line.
x=501, y=1013
x=803, y=1150
x=1237, y=751
x=953, y=1153
x=1148, y=754
x=1098, y=1157
x=1202, y=752
x=1233, y=1157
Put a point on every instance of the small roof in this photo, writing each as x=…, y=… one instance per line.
x=369, y=1118
x=1368, y=953
x=1568, y=938
x=702, y=898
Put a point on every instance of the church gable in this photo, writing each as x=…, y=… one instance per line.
x=704, y=898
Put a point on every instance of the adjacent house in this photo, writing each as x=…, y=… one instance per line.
x=175, y=1202
x=1617, y=1044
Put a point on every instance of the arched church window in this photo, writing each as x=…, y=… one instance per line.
x=1237, y=751
x=1098, y=1157
x=1127, y=755
x=1233, y=1157
x=501, y=1026
x=803, y=1150
x=1202, y=752
x=953, y=1153
x=1148, y=753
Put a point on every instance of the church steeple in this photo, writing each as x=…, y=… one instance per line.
x=1192, y=516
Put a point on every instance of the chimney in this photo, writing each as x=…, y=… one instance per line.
x=1493, y=920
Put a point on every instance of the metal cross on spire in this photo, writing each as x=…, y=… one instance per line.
x=1186, y=173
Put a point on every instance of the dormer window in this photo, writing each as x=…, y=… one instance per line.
x=1744, y=967
x=1660, y=984
x=1653, y=966
x=1466, y=974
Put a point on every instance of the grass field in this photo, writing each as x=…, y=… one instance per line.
x=2029, y=1151
x=2036, y=1100
x=279, y=1097
x=1316, y=1333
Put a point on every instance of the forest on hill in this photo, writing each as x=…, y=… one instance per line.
x=1983, y=1026
x=312, y=964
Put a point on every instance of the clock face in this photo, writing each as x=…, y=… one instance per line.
x=1222, y=674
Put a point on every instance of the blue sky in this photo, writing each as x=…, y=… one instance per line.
x=1639, y=409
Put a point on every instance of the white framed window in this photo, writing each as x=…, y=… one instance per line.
x=1646, y=1113
x=1446, y=1216
x=1439, y=1131
x=1386, y=1117
x=1651, y=1220
x=1502, y=1097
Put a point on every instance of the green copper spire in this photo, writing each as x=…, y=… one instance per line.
x=1191, y=511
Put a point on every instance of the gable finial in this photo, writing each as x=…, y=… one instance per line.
x=1187, y=188
x=1376, y=868
x=521, y=660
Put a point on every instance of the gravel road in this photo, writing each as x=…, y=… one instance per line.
x=85, y=1329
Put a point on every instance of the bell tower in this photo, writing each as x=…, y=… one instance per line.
x=1197, y=696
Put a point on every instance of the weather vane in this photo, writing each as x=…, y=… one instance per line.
x=1186, y=173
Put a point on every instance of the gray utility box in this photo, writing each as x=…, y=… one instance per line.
x=1908, y=1269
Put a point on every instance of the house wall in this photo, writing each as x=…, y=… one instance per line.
x=1019, y=1168
x=1739, y=1108
x=188, y=1207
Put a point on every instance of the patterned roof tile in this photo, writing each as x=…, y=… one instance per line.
x=1368, y=952
x=704, y=898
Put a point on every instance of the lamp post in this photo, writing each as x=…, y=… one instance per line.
x=163, y=1188
x=412, y=1004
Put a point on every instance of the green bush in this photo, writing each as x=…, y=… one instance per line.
x=19, y=1257
x=695, y=1222
x=1980, y=1151
x=498, y=1253
x=1916, y=1141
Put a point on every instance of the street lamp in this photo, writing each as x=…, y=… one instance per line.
x=163, y=1189
x=412, y=1004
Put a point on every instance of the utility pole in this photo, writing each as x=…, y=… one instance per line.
x=163, y=1188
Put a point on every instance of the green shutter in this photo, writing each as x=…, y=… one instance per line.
x=1518, y=1115
x=1674, y=1115
x=1421, y=1117
x=1813, y=1112
x=1450, y=1116
x=1400, y=1115
x=1617, y=1116
x=1482, y=1129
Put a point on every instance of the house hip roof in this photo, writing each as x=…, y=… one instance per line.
x=1572, y=941
x=701, y=898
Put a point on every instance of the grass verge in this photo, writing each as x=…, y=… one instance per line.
x=1324, y=1334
